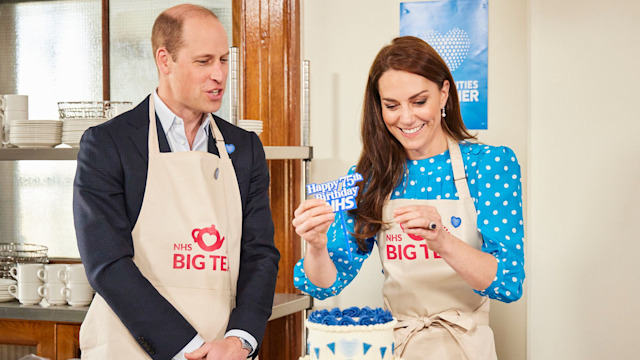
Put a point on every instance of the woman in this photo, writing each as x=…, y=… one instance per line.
x=445, y=213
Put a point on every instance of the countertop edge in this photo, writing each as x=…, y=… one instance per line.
x=283, y=305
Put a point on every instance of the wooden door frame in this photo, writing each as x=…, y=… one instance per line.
x=267, y=33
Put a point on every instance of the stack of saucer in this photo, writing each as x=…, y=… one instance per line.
x=72, y=129
x=4, y=290
x=35, y=133
x=251, y=125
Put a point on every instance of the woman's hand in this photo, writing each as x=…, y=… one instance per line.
x=475, y=267
x=415, y=220
x=312, y=220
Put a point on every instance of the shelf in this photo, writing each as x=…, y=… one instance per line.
x=283, y=305
x=272, y=153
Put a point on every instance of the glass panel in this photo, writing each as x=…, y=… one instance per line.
x=50, y=51
x=44, y=205
x=16, y=351
x=133, y=70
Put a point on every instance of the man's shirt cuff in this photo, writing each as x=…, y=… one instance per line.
x=193, y=345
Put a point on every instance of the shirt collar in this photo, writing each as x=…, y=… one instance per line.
x=167, y=117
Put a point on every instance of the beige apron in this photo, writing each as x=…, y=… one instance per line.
x=439, y=315
x=186, y=243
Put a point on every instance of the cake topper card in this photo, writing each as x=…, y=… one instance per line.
x=340, y=194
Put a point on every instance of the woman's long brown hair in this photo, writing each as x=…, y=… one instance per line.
x=383, y=158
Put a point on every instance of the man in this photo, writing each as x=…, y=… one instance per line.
x=178, y=244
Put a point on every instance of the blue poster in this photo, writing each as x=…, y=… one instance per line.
x=458, y=31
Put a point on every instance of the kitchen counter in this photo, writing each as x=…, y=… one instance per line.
x=283, y=305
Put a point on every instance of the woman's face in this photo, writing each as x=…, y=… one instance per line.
x=411, y=110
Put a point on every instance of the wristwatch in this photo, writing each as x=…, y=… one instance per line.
x=246, y=345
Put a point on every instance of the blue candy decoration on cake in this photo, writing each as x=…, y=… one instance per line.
x=365, y=316
x=351, y=334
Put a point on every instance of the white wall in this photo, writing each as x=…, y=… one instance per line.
x=341, y=39
x=584, y=181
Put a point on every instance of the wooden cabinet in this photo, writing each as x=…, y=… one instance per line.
x=67, y=341
x=56, y=341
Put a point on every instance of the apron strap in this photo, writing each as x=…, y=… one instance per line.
x=459, y=175
x=454, y=321
x=217, y=137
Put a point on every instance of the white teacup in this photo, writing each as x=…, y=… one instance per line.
x=26, y=273
x=52, y=292
x=78, y=294
x=50, y=273
x=14, y=102
x=73, y=274
x=26, y=293
x=116, y=108
x=8, y=116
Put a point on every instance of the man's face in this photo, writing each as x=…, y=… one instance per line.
x=198, y=75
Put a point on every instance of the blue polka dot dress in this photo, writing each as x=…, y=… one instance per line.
x=493, y=176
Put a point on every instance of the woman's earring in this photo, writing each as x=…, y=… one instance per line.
x=444, y=114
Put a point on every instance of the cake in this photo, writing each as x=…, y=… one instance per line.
x=351, y=334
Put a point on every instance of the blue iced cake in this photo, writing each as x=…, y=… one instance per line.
x=350, y=334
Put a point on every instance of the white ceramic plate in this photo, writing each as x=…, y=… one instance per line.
x=7, y=282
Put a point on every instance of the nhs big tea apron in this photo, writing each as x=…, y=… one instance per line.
x=186, y=243
x=439, y=315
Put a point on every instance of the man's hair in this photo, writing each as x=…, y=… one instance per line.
x=167, y=29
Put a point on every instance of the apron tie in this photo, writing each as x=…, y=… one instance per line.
x=454, y=321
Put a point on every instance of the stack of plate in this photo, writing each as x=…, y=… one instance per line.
x=72, y=129
x=35, y=133
x=4, y=290
x=251, y=125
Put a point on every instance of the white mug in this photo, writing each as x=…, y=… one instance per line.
x=52, y=292
x=26, y=273
x=14, y=102
x=78, y=294
x=26, y=293
x=50, y=273
x=73, y=274
x=9, y=115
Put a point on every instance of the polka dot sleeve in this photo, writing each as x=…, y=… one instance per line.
x=499, y=208
x=337, y=246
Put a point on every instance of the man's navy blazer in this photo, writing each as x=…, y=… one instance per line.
x=109, y=187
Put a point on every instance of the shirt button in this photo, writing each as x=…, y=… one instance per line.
x=181, y=142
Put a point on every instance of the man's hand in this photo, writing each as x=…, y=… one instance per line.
x=227, y=349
